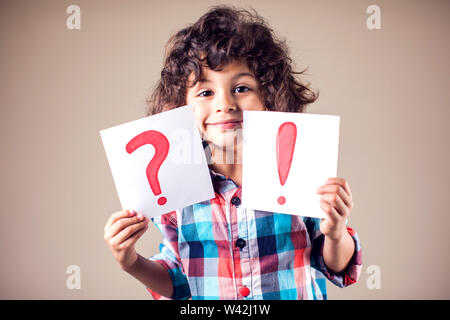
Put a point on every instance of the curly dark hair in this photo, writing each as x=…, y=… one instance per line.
x=220, y=36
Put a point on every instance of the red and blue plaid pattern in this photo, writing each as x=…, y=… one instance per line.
x=277, y=256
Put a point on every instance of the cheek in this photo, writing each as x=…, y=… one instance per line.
x=200, y=117
x=254, y=103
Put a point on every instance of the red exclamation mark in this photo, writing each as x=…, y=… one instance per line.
x=286, y=137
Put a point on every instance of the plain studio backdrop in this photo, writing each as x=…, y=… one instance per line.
x=59, y=87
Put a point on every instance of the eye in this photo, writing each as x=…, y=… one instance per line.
x=205, y=93
x=241, y=89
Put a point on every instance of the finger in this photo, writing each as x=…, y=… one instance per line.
x=342, y=182
x=123, y=223
x=119, y=215
x=330, y=211
x=335, y=200
x=338, y=189
x=128, y=231
x=134, y=237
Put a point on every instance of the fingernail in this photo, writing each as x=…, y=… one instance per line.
x=131, y=213
x=140, y=216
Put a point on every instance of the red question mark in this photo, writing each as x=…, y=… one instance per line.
x=161, y=144
x=286, y=137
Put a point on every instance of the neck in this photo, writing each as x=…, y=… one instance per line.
x=228, y=164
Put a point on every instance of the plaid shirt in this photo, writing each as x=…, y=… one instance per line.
x=218, y=250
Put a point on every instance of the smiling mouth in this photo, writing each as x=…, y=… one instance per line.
x=226, y=124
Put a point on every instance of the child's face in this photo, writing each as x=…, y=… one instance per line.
x=219, y=99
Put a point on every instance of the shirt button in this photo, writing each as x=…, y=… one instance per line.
x=236, y=201
x=240, y=243
x=244, y=291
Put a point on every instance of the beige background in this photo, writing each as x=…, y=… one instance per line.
x=59, y=87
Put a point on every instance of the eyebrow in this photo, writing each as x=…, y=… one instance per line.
x=239, y=75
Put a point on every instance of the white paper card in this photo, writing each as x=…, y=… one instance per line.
x=134, y=148
x=314, y=160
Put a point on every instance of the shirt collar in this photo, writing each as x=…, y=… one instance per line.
x=221, y=183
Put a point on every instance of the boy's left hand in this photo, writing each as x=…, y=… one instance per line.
x=336, y=202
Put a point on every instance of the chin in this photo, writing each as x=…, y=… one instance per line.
x=226, y=144
x=227, y=138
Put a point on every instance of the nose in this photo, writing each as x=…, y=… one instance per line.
x=225, y=102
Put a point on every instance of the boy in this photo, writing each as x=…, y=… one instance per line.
x=227, y=62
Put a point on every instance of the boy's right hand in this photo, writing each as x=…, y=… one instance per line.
x=122, y=231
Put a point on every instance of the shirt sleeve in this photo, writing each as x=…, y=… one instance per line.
x=169, y=257
x=351, y=273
